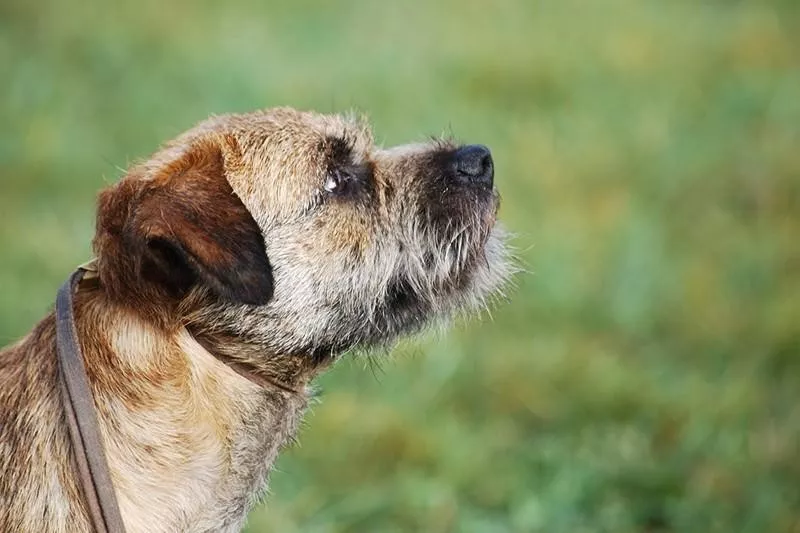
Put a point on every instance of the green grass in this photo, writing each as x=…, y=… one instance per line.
x=645, y=376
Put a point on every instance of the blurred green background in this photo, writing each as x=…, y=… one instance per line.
x=645, y=375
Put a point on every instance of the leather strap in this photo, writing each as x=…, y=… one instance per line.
x=79, y=405
x=76, y=395
x=243, y=369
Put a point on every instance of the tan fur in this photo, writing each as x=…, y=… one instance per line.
x=227, y=240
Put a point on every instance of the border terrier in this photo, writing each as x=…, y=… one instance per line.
x=274, y=241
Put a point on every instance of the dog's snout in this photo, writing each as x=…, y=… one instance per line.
x=473, y=164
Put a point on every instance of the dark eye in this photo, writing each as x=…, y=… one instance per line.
x=338, y=182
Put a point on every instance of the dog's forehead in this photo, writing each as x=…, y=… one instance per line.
x=277, y=159
x=292, y=133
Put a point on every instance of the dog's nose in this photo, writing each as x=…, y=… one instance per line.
x=473, y=164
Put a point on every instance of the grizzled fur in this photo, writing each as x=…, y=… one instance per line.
x=278, y=239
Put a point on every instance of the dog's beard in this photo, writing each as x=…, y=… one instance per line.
x=457, y=272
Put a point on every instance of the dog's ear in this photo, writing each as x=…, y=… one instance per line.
x=186, y=226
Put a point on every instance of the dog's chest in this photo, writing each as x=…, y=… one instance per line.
x=209, y=472
x=254, y=449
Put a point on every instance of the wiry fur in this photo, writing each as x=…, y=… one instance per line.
x=226, y=242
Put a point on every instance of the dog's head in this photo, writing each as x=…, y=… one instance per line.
x=295, y=231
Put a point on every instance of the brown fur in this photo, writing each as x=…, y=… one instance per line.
x=227, y=240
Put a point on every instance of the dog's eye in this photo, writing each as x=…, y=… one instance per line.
x=338, y=182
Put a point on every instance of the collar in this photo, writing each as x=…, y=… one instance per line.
x=81, y=416
x=247, y=371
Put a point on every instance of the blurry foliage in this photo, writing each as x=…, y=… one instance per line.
x=644, y=376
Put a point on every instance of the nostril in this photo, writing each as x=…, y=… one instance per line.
x=473, y=163
x=486, y=163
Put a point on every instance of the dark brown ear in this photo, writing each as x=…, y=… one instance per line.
x=186, y=226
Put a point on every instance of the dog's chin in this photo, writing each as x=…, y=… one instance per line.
x=479, y=267
x=477, y=220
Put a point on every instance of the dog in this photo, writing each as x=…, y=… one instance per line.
x=274, y=241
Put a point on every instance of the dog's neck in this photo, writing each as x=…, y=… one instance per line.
x=187, y=437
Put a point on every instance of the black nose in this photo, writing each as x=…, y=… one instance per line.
x=473, y=164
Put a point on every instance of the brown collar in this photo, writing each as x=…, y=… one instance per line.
x=76, y=395
x=249, y=372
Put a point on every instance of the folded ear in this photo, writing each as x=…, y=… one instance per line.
x=188, y=227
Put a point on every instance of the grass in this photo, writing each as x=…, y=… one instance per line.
x=644, y=377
